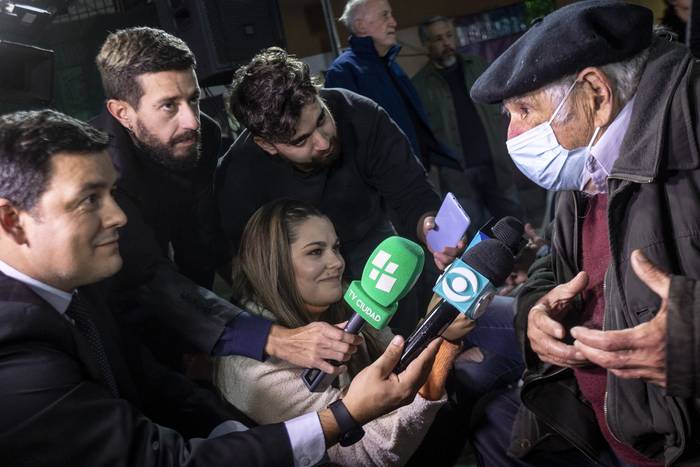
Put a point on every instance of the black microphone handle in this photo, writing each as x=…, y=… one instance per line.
x=318, y=381
x=433, y=326
x=354, y=324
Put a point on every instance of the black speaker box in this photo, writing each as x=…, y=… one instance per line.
x=223, y=34
x=26, y=74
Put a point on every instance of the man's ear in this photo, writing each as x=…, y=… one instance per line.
x=122, y=111
x=266, y=146
x=605, y=104
x=10, y=222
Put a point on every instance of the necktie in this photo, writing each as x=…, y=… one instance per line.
x=79, y=312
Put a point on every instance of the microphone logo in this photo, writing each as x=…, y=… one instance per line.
x=462, y=286
x=382, y=271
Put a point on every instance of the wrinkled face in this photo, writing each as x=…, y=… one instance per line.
x=441, y=43
x=318, y=265
x=528, y=111
x=166, y=123
x=379, y=24
x=315, y=142
x=72, y=232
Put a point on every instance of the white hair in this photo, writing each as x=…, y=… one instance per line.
x=624, y=77
x=351, y=12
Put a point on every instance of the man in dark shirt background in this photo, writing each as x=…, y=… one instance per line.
x=473, y=131
x=330, y=147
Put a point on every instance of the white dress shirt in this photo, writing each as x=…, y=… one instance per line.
x=606, y=151
x=58, y=299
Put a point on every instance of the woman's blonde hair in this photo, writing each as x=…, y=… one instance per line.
x=264, y=273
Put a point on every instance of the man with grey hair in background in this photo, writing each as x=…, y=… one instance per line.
x=604, y=111
x=369, y=68
x=475, y=132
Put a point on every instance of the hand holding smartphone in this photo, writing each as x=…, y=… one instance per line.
x=451, y=223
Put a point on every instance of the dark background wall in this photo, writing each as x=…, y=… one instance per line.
x=77, y=87
x=76, y=84
x=306, y=32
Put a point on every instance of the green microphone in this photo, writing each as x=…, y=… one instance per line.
x=389, y=274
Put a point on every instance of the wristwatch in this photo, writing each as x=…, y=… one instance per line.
x=350, y=431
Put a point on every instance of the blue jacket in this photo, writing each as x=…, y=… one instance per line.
x=362, y=70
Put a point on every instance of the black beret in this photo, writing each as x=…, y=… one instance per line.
x=588, y=33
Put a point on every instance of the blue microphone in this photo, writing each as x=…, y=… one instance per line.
x=467, y=286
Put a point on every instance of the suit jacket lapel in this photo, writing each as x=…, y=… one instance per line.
x=111, y=340
x=14, y=290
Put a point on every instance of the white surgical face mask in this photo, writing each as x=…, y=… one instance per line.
x=538, y=155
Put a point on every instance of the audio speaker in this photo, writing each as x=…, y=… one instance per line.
x=26, y=74
x=223, y=34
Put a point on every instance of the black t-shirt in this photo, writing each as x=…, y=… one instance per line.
x=376, y=169
x=471, y=131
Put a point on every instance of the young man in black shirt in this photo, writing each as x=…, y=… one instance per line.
x=330, y=147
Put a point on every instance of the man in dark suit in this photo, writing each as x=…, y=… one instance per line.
x=72, y=390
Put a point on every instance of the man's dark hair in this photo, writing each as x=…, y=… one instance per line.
x=423, y=26
x=128, y=53
x=268, y=94
x=27, y=142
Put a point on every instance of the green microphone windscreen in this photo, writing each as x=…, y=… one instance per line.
x=391, y=271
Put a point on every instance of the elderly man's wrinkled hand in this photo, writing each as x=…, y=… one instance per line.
x=545, y=332
x=638, y=352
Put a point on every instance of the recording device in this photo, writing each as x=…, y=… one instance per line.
x=483, y=233
x=468, y=285
x=389, y=274
x=451, y=222
x=508, y=229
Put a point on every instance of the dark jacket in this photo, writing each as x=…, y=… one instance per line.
x=375, y=167
x=434, y=92
x=654, y=205
x=56, y=412
x=362, y=70
x=171, y=245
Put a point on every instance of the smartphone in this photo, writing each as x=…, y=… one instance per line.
x=451, y=223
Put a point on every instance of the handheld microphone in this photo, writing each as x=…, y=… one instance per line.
x=508, y=229
x=467, y=286
x=389, y=274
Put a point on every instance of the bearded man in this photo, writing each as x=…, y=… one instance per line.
x=166, y=151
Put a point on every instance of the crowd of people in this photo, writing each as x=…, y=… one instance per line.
x=112, y=233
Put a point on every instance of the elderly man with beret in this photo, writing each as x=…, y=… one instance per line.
x=604, y=110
